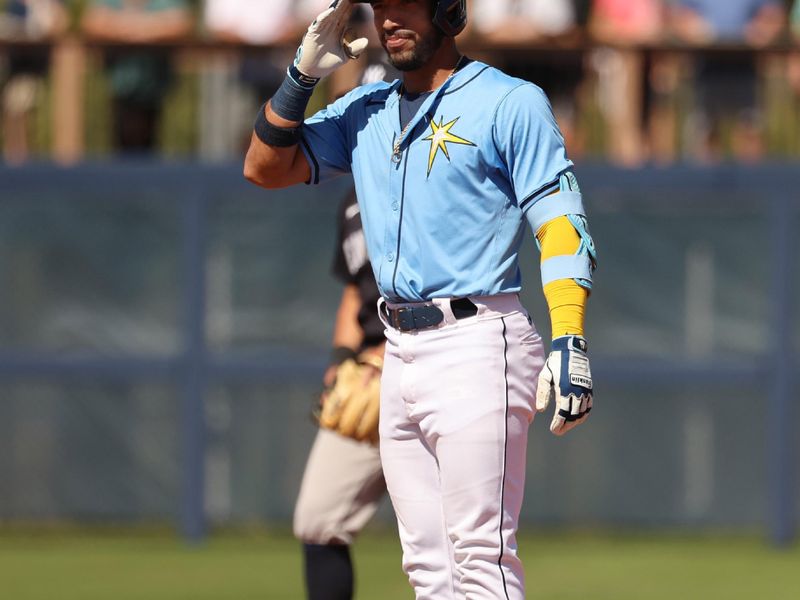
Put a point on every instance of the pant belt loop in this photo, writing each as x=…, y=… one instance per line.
x=444, y=306
x=383, y=314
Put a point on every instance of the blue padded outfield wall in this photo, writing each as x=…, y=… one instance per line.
x=163, y=331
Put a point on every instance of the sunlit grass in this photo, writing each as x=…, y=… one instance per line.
x=614, y=567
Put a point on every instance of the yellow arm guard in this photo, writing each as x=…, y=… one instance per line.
x=565, y=298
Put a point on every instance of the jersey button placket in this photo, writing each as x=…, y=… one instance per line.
x=392, y=233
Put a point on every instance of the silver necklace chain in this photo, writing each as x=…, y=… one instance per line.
x=397, y=155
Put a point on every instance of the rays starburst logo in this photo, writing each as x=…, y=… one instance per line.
x=439, y=138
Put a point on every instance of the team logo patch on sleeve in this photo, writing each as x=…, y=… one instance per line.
x=439, y=138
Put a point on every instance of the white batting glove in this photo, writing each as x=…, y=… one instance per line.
x=566, y=375
x=327, y=45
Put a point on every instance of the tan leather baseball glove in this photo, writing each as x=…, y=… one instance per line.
x=351, y=405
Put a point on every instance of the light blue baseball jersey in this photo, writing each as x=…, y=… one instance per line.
x=447, y=219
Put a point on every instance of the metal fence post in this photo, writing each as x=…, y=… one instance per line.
x=780, y=450
x=193, y=374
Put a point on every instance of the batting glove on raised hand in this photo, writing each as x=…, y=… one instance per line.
x=566, y=375
x=327, y=44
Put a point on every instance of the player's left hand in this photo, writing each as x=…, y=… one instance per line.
x=567, y=377
x=327, y=44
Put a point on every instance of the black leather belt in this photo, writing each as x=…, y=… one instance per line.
x=413, y=318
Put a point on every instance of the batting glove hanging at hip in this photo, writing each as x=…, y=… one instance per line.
x=327, y=44
x=567, y=377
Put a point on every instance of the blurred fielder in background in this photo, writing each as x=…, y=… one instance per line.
x=343, y=482
x=449, y=164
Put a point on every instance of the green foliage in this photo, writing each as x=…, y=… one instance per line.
x=75, y=9
x=42, y=132
x=178, y=131
x=97, y=113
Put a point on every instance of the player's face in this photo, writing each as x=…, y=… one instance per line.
x=406, y=32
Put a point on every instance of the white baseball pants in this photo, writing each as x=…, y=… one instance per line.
x=456, y=403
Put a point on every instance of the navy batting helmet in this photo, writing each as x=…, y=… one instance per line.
x=450, y=16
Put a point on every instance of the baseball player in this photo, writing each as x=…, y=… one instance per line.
x=451, y=164
x=343, y=482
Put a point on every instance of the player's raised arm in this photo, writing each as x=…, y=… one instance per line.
x=274, y=159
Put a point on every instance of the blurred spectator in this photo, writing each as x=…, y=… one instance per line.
x=755, y=22
x=262, y=22
x=257, y=22
x=627, y=21
x=25, y=20
x=139, y=79
x=251, y=21
x=559, y=74
x=622, y=85
x=520, y=21
x=233, y=87
x=726, y=84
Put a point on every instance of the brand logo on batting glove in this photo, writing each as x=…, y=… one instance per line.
x=567, y=377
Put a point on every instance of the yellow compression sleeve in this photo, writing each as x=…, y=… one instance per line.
x=565, y=298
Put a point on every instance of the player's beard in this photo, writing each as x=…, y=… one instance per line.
x=424, y=48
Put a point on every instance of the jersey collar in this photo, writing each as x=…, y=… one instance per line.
x=463, y=74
